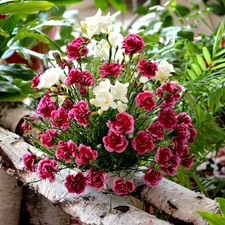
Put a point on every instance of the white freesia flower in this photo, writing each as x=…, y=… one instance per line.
x=164, y=71
x=143, y=80
x=51, y=77
x=121, y=107
x=115, y=39
x=119, y=91
x=103, y=86
x=102, y=49
x=96, y=24
x=104, y=99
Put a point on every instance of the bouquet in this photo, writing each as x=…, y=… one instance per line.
x=104, y=109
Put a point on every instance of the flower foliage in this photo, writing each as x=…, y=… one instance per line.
x=106, y=108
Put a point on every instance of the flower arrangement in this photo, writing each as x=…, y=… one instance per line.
x=105, y=108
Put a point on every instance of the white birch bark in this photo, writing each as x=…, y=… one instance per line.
x=177, y=201
x=92, y=207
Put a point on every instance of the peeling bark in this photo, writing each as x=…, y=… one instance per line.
x=91, y=207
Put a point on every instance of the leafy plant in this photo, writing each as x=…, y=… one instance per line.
x=25, y=24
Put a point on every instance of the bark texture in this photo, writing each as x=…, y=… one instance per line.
x=91, y=207
x=12, y=113
x=10, y=197
x=178, y=202
x=37, y=210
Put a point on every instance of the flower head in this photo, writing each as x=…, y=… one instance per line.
x=29, y=160
x=46, y=169
x=75, y=183
x=121, y=187
x=164, y=71
x=51, y=77
x=96, y=24
x=132, y=44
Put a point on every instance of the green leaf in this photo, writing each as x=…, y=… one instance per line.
x=141, y=10
x=24, y=34
x=207, y=55
x=7, y=86
x=182, y=10
x=25, y=7
x=3, y=33
x=191, y=74
x=201, y=62
x=221, y=202
x=213, y=219
x=186, y=34
x=101, y=4
x=220, y=53
x=119, y=5
x=15, y=82
x=64, y=2
x=16, y=71
x=222, y=65
x=196, y=69
x=219, y=36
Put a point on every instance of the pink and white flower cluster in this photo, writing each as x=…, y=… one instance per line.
x=99, y=116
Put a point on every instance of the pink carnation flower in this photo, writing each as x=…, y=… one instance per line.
x=142, y=143
x=85, y=155
x=124, y=124
x=59, y=118
x=156, y=131
x=46, y=169
x=152, y=177
x=77, y=48
x=115, y=142
x=170, y=167
x=29, y=160
x=26, y=126
x=45, y=107
x=47, y=139
x=80, y=113
x=122, y=188
x=73, y=77
x=170, y=92
x=110, y=69
x=75, y=183
x=35, y=81
x=167, y=118
x=145, y=100
x=132, y=44
x=96, y=179
x=147, y=68
x=163, y=155
x=65, y=150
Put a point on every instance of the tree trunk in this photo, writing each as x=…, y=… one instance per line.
x=10, y=199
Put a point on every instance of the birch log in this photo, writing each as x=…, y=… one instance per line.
x=92, y=207
x=11, y=113
x=177, y=201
